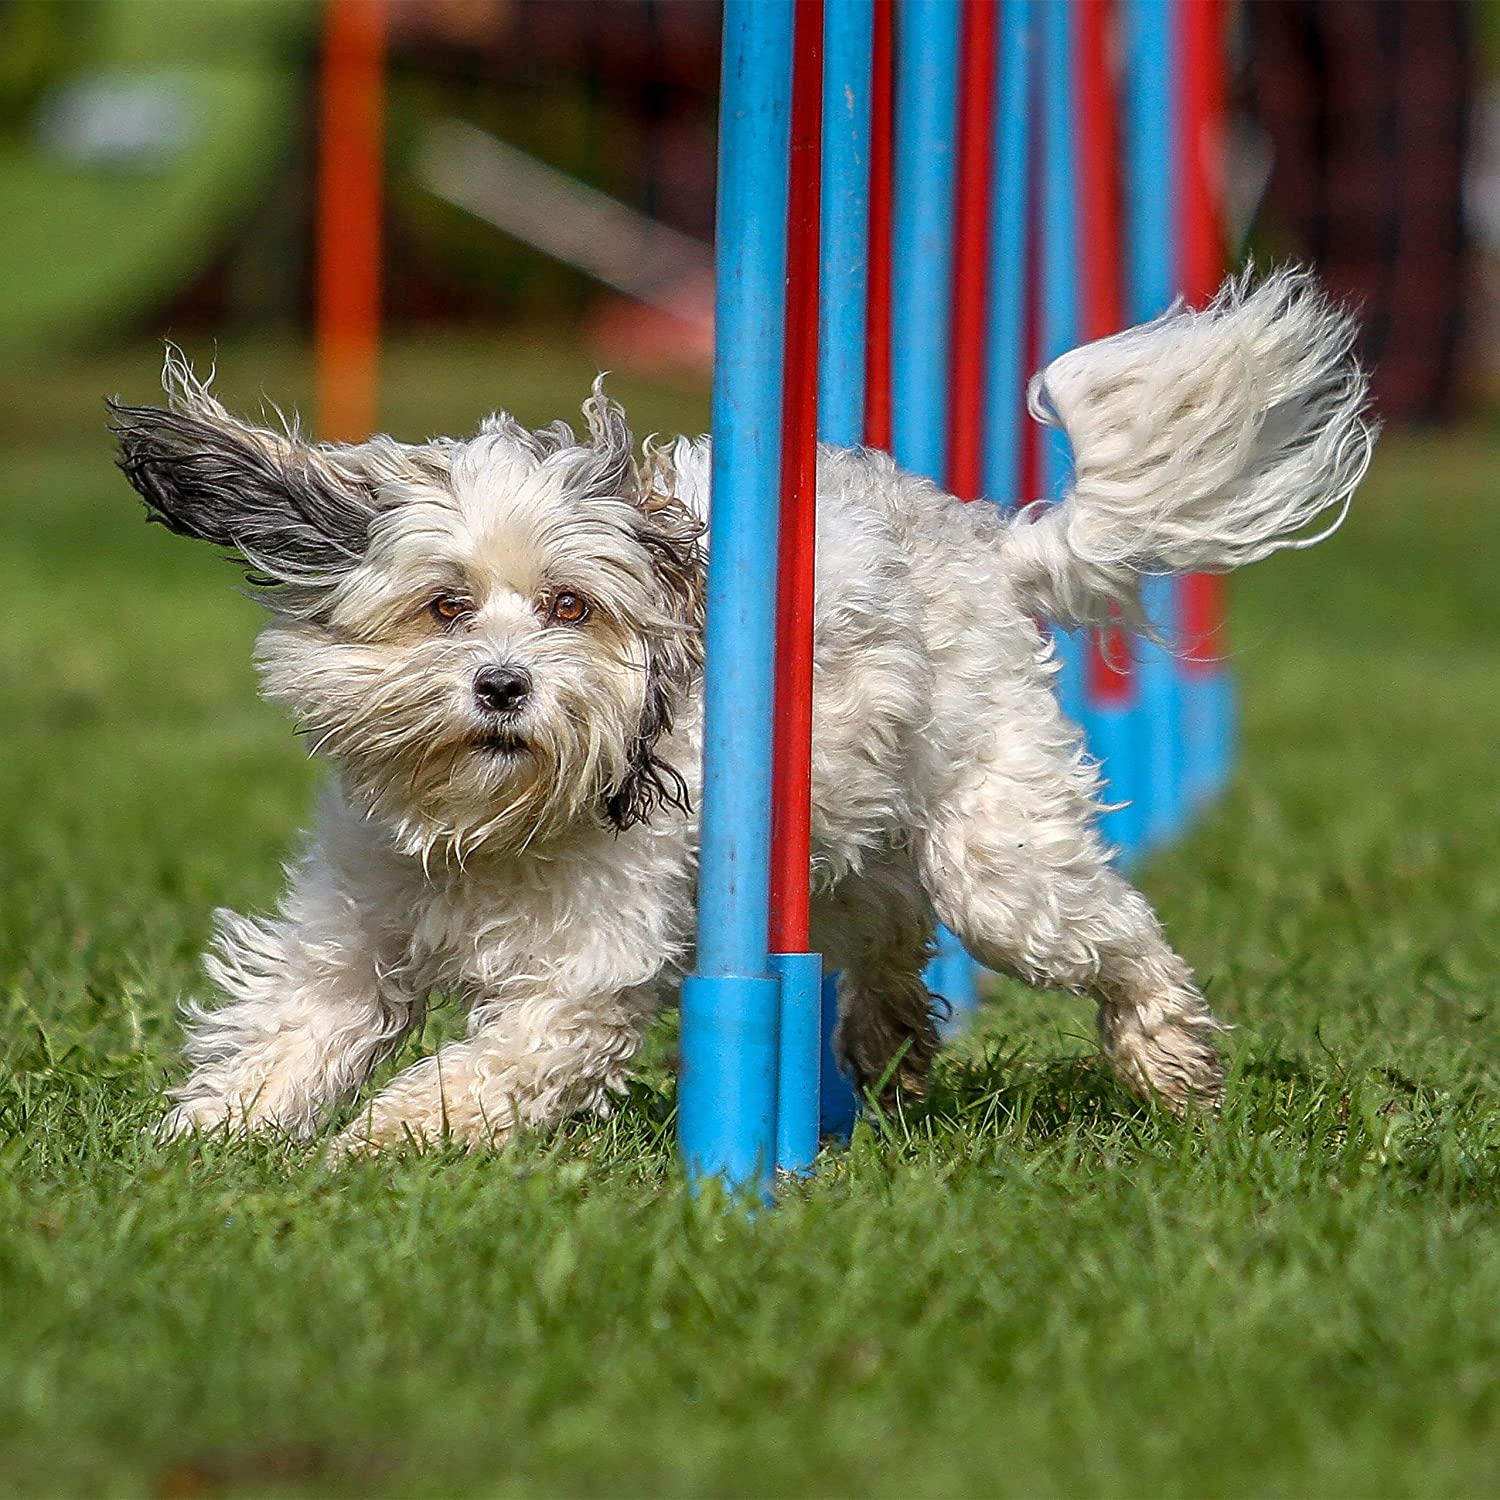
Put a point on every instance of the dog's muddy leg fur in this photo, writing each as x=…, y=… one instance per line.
x=1026, y=883
x=877, y=927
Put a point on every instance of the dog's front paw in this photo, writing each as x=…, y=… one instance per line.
x=201, y=1117
x=366, y=1138
x=214, y=1114
x=369, y=1137
x=441, y=1100
x=410, y=1125
x=1172, y=1059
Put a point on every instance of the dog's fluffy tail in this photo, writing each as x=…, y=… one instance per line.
x=1201, y=441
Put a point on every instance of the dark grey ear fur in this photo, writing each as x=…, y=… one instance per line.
x=650, y=783
x=204, y=480
x=298, y=522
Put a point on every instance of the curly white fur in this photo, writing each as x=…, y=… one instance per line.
x=1201, y=441
x=538, y=860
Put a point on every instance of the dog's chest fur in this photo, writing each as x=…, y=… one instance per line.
x=595, y=912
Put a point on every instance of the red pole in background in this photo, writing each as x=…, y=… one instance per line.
x=971, y=247
x=791, y=808
x=351, y=108
x=1200, y=134
x=1102, y=302
x=882, y=179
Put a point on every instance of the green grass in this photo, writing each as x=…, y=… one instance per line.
x=1030, y=1285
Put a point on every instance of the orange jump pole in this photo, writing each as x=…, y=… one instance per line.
x=350, y=138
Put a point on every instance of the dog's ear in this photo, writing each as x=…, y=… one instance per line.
x=298, y=517
x=672, y=537
x=649, y=782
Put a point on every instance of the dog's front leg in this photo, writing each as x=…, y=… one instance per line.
x=531, y=1063
x=308, y=1014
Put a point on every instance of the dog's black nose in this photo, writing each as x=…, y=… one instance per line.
x=501, y=690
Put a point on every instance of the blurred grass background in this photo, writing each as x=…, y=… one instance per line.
x=85, y=251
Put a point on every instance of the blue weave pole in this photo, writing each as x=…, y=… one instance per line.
x=848, y=32
x=848, y=36
x=927, y=59
x=927, y=43
x=1005, y=337
x=1151, y=285
x=1113, y=719
x=1059, y=276
x=727, y=1087
x=1210, y=710
x=838, y=1104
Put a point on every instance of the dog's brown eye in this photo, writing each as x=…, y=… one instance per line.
x=569, y=609
x=450, y=607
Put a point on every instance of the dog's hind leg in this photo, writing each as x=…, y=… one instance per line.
x=876, y=927
x=1015, y=866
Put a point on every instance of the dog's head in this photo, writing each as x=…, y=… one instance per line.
x=489, y=638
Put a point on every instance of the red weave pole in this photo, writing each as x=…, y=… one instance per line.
x=1108, y=668
x=350, y=117
x=971, y=247
x=1200, y=130
x=1103, y=301
x=791, y=750
x=882, y=189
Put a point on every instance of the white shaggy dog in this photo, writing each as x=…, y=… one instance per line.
x=497, y=643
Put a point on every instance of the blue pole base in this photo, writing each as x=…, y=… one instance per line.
x=726, y=1092
x=800, y=1050
x=838, y=1105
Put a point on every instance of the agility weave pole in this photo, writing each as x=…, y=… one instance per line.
x=988, y=192
x=920, y=202
x=727, y=1092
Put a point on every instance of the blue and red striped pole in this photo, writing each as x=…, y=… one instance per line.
x=730, y=1004
x=1112, y=712
x=800, y=971
x=927, y=58
x=849, y=69
x=1150, y=131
